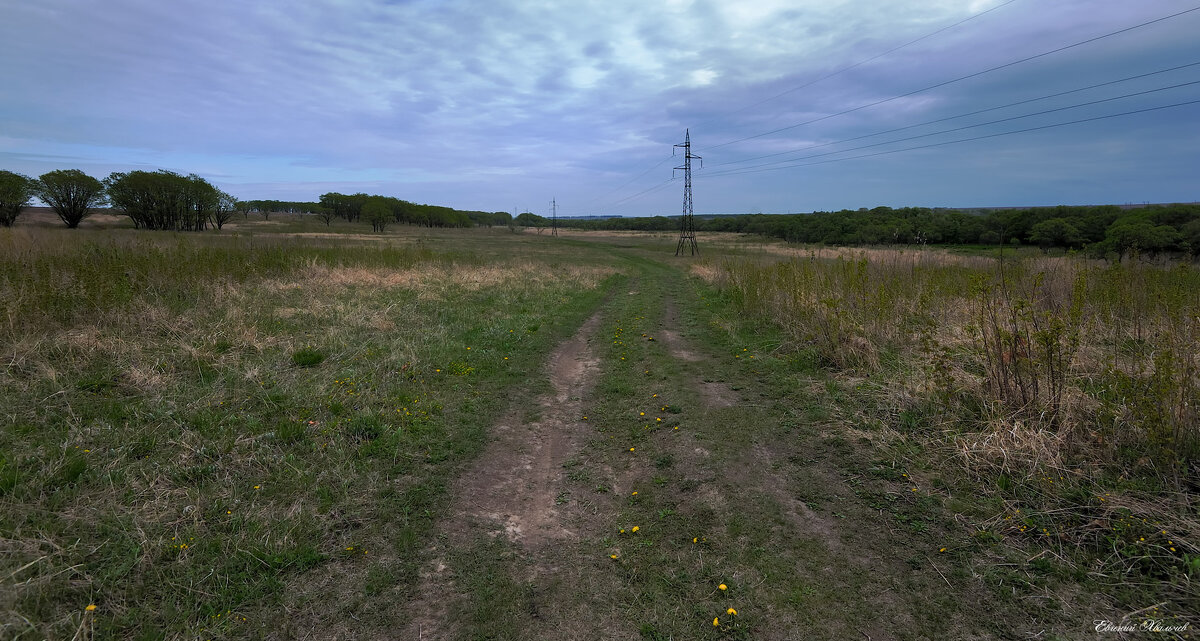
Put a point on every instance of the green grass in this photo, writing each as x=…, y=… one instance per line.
x=258, y=432
x=165, y=459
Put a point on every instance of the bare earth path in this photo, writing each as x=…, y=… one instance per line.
x=512, y=488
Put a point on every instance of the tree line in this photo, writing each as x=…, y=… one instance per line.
x=381, y=211
x=152, y=199
x=1099, y=230
x=167, y=200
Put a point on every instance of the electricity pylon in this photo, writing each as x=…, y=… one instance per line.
x=553, y=217
x=687, y=232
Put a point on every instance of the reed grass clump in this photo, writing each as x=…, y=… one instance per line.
x=1100, y=358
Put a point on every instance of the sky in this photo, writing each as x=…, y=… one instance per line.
x=505, y=105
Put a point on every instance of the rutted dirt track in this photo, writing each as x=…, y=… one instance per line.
x=512, y=488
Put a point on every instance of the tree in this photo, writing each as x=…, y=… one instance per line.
x=529, y=219
x=70, y=193
x=1139, y=235
x=326, y=214
x=1055, y=232
x=1191, y=236
x=377, y=212
x=15, y=192
x=225, y=207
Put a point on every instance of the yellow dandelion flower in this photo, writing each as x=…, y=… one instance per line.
x=631, y=449
x=257, y=487
x=612, y=556
x=722, y=587
x=636, y=528
x=634, y=493
x=694, y=539
x=91, y=607
x=658, y=419
x=622, y=530
x=716, y=621
x=641, y=413
x=731, y=611
x=942, y=550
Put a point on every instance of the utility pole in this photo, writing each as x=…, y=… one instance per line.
x=553, y=217
x=687, y=232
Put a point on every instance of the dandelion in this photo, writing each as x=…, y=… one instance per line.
x=641, y=413
x=257, y=487
x=634, y=494
x=716, y=621
x=91, y=607
x=631, y=449
x=658, y=419
x=694, y=539
x=613, y=557
x=942, y=550
x=722, y=587
x=731, y=612
x=636, y=528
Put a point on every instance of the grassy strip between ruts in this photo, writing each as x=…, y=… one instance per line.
x=210, y=460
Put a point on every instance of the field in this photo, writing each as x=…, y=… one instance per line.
x=287, y=430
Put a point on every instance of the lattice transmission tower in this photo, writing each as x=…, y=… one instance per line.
x=687, y=231
x=553, y=217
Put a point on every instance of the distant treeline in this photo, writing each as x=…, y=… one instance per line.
x=167, y=200
x=382, y=210
x=1101, y=229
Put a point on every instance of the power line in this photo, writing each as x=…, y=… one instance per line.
x=805, y=85
x=971, y=113
x=863, y=62
x=628, y=182
x=982, y=124
x=960, y=78
x=642, y=193
x=954, y=142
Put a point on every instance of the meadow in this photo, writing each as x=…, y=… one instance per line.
x=291, y=430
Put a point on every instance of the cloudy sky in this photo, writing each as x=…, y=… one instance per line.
x=795, y=105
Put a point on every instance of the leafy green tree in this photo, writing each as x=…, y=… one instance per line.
x=1191, y=235
x=70, y=193
x=15, y=192
x=1140, y=235
x=377, y=212
x=1055, y=232
x=224, y=209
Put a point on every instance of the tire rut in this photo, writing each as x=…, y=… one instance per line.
x=512, y=489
